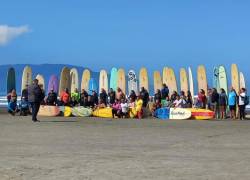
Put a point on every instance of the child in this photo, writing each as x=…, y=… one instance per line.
x=124, y=108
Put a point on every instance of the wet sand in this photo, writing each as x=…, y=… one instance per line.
x=91, y=148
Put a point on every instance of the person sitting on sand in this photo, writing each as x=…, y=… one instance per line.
x=52, y=98
x=173, y=96
x=12, y=102
x=112, y=96
x=65, y=97
x=144, y=96
x=75, y=97
x=120, y=95
x=156, y=105
x=103, y=96
x=84, y=98
x=180, y=102
x=116, y=109
x=138, y=107
x=166, y=102
x=94, y=100
x=132, y=96
x=157, y=95
x=202, y=99
x=189, y=100
x=124, y=108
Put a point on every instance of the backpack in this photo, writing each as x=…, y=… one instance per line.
x=246, y=100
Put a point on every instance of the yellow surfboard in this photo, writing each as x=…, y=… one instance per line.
x=85, y=80
x=27, y=77
x=103, y=81
x=169, y=79
x=157, y=81
x=143, y=79
x=184, y=80
x=103, y=112
x=121, y=80
x=67, y=111
x=202, y=78
x=41, y=81
x=235, y=77
x=74, y=81
x=64, y=80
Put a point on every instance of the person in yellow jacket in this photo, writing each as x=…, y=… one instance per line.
x=137, y=111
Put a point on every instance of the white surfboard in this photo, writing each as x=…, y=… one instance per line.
x=179, y=113
x=242, y=81
x=132, y=81
x=191, y=81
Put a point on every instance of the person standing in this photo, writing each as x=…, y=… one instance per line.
x=242, y=103
x=111, y=96
x=145, y=96
x=215, y=102
x=35, y=97
x=52, y=98
x=223, y=104
x=164, y=91
x=232, y=102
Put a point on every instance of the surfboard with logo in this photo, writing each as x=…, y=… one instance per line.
x=216, y=78
x=11, y=80
x=26, y=77
x=191, y=81
x=143, y=79
x=64, y=80
x=173, y=113
x=242, y=81
x=85, y=80
x=157, y=81
x=132, y=81
x=103, y=81
x=223, y=79
x=74, y=81
x=41, y=81
x=202, y=78
x=113, y=79
x=53, y=83
x=121, y=80
x=235, y=77
x=183, y=80
x=179, y=113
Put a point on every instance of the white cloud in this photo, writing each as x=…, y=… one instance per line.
x=8, y=33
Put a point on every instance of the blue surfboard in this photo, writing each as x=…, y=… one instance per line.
x=92, y=86
x=162, y=113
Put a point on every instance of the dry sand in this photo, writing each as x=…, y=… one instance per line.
x=89, y=148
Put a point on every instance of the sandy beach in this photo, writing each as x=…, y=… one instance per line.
x=90, y=148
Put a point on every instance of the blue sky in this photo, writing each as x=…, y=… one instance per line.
x=129, y=34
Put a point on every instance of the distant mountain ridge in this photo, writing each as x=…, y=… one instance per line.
x=45, y=69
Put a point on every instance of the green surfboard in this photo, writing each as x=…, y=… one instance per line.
x=11, y=80
x=113, y=79
x=223, y=78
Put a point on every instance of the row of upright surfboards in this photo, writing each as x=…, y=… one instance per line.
x=69, y=78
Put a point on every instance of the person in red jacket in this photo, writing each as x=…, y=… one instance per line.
x=65, y=97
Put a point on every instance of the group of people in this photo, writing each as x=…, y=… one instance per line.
x=134, y=105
